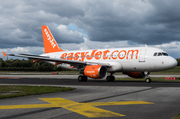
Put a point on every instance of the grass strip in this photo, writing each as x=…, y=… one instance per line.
x=10, y=91
x=173, y=71
x=143, y=79
x=177, y=116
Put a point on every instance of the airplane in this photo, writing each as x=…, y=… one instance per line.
x=136, y=62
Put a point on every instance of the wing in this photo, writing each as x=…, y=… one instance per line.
x=56, y=60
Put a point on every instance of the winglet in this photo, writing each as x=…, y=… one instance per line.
x=4, y=54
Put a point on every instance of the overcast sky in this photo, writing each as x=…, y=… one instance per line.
x=90, y=24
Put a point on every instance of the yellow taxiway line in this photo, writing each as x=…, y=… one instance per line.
x=86, y=109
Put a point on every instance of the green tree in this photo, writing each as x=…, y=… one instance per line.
x=2, y=64
x=178, y=60
x=26, y=65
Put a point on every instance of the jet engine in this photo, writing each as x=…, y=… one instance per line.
x=95, y=71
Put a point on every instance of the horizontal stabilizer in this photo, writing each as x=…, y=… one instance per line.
x=4, y=54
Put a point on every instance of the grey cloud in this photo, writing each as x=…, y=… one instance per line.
x=64, y=37
x=28, y=16
x=63, y=9
x=138, y=22
x=147, y=22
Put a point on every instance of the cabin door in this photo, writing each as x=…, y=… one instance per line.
x=142, y=55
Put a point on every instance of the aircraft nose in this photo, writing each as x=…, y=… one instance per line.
x=172, y=62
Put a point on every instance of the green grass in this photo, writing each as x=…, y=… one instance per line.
x=16, y=91
x=177, y=116
x=38, y=73
x=175, y=71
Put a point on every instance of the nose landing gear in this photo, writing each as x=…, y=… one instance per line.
x=148, y=79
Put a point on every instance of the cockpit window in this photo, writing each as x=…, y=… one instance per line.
x=160, y=54
x=165, y=54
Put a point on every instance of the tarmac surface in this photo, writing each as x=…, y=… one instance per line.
x=72, y=80
x=93, y=99
x=69, y=76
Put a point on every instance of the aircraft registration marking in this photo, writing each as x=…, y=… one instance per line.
x=86, y=109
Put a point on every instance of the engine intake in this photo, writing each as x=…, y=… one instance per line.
x=95, y=71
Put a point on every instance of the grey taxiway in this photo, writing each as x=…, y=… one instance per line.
x=162, y=101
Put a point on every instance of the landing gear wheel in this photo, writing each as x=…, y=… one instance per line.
x=148, y=80
x=110, y=78
x=82, y=78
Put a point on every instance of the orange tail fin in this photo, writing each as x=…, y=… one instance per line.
x=50, y=44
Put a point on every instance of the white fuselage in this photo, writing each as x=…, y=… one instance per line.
x=136, y=59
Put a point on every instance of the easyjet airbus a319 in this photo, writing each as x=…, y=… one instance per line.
x=136, y=62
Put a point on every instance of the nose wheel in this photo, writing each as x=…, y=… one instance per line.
x=148, y=80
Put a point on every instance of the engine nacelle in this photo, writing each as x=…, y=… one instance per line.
x=95, y=71
x=136, y=74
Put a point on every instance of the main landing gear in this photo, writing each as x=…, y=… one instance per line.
x=82, y=78
x=110, y=78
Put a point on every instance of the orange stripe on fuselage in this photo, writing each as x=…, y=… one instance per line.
x=97, y=55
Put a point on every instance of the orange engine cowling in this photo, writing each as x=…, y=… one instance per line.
x=95, y=71
x=136, y=74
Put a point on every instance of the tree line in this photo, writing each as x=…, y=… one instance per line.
x=178, y=60
x=26, y=65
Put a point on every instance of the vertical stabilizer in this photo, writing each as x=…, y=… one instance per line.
x=50, y=44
